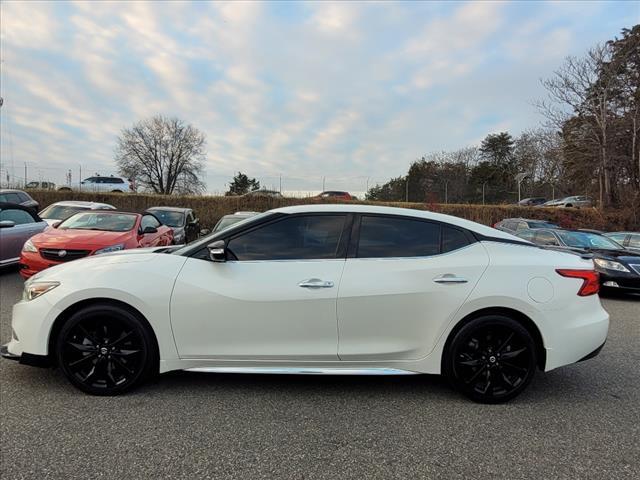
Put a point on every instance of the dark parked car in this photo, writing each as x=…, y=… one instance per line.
x=514, y=225
x=335, y=195
x=619, y=268
x=531, y=202
x=629, y=240
x=8, y=195
x=17, y=225
x=183, y=221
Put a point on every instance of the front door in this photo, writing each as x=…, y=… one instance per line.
x=273, y=299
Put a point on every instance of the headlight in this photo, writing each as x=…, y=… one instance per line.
x=35, y=289
x=29, y=247
x=112, y=248
x=610, y=265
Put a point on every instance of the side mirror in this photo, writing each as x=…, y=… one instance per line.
x=217, y=251
x=149, y=230
x=204, y=232
x=7, y=224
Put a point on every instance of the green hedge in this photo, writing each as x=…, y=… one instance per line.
x=209, y=208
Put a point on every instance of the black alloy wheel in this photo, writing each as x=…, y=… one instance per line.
x=105, y=350
x=491, y=359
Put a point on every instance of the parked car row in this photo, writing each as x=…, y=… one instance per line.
x=616, y=255
x=576, y=201
x=70, y=230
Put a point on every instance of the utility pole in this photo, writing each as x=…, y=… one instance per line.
x=280, y=183
x=25, y=174
x=519, y=178
x=323, y=179
x=483, y=184
x=406, y=186
x=446, y=192
x=80, y=179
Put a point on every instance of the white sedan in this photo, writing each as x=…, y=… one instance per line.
x=322, y=289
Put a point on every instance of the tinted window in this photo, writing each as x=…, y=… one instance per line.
x=542, y=225
x=19, y=217
x=397, y=237
x=169, y=217
x=453, y=239
x=149, y=221
x=546, y=238
x=114, y=180
x=302, y=237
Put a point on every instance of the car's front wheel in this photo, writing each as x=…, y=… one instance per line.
x=491, y=359
x=105, y=350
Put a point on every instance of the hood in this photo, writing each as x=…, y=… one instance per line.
x=80, y=239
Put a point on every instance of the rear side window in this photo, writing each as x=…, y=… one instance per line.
x=10, y=197
x=115, y=180
x=453, y=239
x=397, y=237
x=19, y=217
x=295, y=238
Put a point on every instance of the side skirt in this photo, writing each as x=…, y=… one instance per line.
x=303, y=371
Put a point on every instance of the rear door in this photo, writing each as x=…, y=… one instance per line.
x=12, y=238
x=404, y=279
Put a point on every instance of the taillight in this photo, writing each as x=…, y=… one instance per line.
x=590, y=280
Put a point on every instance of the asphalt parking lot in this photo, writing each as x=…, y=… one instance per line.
x=580, y=421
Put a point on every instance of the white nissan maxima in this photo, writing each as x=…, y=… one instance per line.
x=322, y=289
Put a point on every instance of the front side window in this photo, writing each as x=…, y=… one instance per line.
x=634, y=241
x=397, y=237
x=295, y=238
x=618, y=237
x=19, y=217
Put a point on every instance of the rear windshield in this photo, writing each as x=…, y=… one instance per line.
x=542, y=225
x=108, y=222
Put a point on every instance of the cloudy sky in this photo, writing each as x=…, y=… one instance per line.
x=349, y=91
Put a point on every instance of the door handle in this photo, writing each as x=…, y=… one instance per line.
x=315, y=283
x=449, y=278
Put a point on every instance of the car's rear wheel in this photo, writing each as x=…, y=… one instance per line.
x=491, y=359
x=105, y=350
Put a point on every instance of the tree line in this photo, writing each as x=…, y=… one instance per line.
x=588, y=144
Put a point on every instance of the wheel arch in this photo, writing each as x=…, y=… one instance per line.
x=516, y=315
x=72, y=309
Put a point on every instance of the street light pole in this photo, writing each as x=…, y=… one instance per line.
x=519, y=178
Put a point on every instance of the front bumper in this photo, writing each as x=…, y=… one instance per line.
x=628, y=282
x=32, y=263
x=25, y=358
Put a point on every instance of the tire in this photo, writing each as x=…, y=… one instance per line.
x=568, y=205
x=105, y=350
x=474, y=360
x=116, y=191
x=64, y=189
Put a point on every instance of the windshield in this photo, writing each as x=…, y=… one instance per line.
x=60, y=212
x=108, y=222
x=588, y=240
x=170, y=218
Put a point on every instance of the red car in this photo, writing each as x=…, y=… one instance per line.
x=91, y=233
x=335, y=195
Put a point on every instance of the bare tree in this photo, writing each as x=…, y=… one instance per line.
x=583, y=88
x=164, y=155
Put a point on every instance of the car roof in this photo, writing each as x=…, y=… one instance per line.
x=407, y=212
x=10, y=190
x=519, y=219
x=80, y=203
x=170, y=209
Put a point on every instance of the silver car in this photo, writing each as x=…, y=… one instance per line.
x=17, y=225
x=56, y=212
x=575, y=201
x=229, y=220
